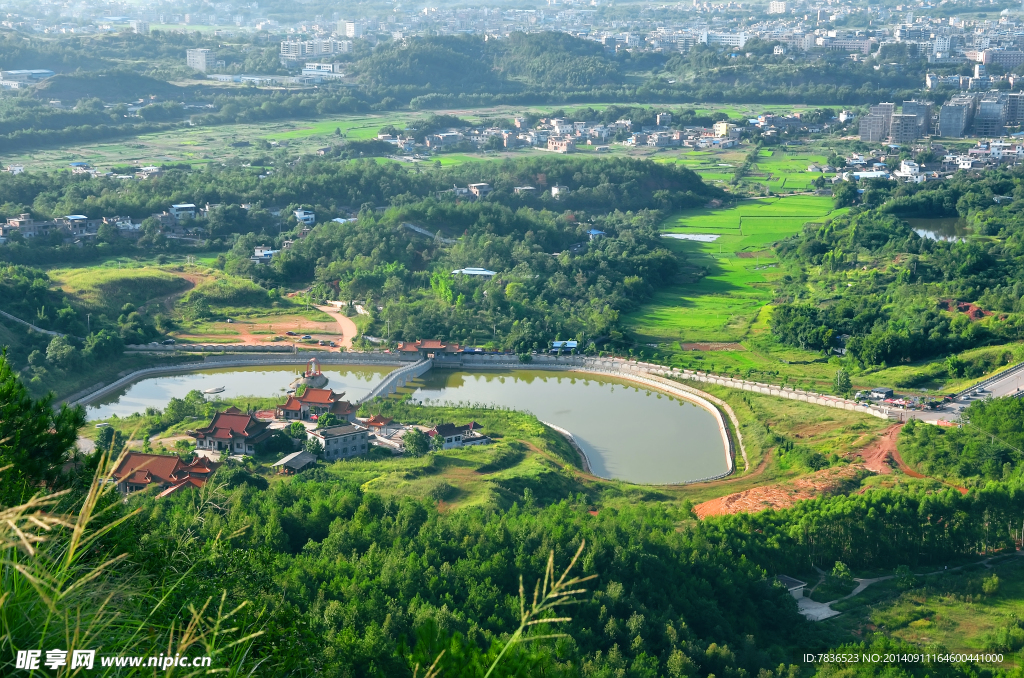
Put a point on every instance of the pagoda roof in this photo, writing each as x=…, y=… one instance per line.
x=233, y=422
x=319, y=396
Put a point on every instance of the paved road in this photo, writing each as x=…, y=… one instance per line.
x=1008, y=383
x=821, y=611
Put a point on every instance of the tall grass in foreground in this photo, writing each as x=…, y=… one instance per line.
x=60, y=590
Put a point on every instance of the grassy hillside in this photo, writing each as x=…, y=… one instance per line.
x=107, y=290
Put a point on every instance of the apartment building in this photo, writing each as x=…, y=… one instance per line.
x=956, y=116
x=199, y=59
x=903, y=128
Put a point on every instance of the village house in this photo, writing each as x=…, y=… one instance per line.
x=26, y=226
x=139, y=471
x=316, y=401
x=562, y=144
x=459, y=436
x=232, y=432
x=341, y=442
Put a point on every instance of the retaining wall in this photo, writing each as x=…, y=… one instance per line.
x=24, y=322
x=219, y=361
x=626, y=367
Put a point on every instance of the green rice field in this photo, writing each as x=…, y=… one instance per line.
x=726, y=302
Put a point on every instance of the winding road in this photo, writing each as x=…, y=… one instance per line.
x=348, y=328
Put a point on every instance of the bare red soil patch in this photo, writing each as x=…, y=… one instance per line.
x=973, y=311
x=782, y=495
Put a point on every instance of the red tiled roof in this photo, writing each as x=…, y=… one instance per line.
x=144, y=468
x=232, y=422
x=377, y=420
x=140, y=478
x=188, y=483
x=343, y=408
x=319, y=396
x=292, y=405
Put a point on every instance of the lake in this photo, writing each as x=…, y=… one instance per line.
x=627, y=431
x=237, y=381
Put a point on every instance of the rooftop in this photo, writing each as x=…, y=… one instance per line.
x=335, y=431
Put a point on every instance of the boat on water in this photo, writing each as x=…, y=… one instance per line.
x=211, y=391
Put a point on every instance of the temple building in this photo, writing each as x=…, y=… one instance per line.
x=139, y=471
x=317, y=401
x=232, y=432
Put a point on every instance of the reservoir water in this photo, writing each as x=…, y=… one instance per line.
x=627, y=431
x=237, y=381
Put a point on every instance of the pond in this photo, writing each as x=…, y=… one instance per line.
x=628, y=432
x=237, y=381
x=946, y=228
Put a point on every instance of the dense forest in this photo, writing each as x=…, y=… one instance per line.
x=889, y=295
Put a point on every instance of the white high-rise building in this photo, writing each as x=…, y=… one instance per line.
x=351, y=29
x=199, y=59
x=776, y=7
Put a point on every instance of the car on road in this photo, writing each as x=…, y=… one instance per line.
x=168, y=342
x=229, y=320
x=320, y=343
x=306, y=336
x=332, y=344
x=290, y=333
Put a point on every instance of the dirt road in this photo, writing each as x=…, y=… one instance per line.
x=348, y=328
x=876, y=455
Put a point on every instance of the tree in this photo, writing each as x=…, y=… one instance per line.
x=416, y=442
x=296, y=430
x=842, y=383
x=990, y=585
x=103, y=345
x=844, y=193
x=905, y=579
x=955, y=366
x=107, y=233
x=111, y=441
x=841, y=574
x=325, y=420
x=62, y=354
x=437, y=442
x=313, y=446
x=35, y=439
